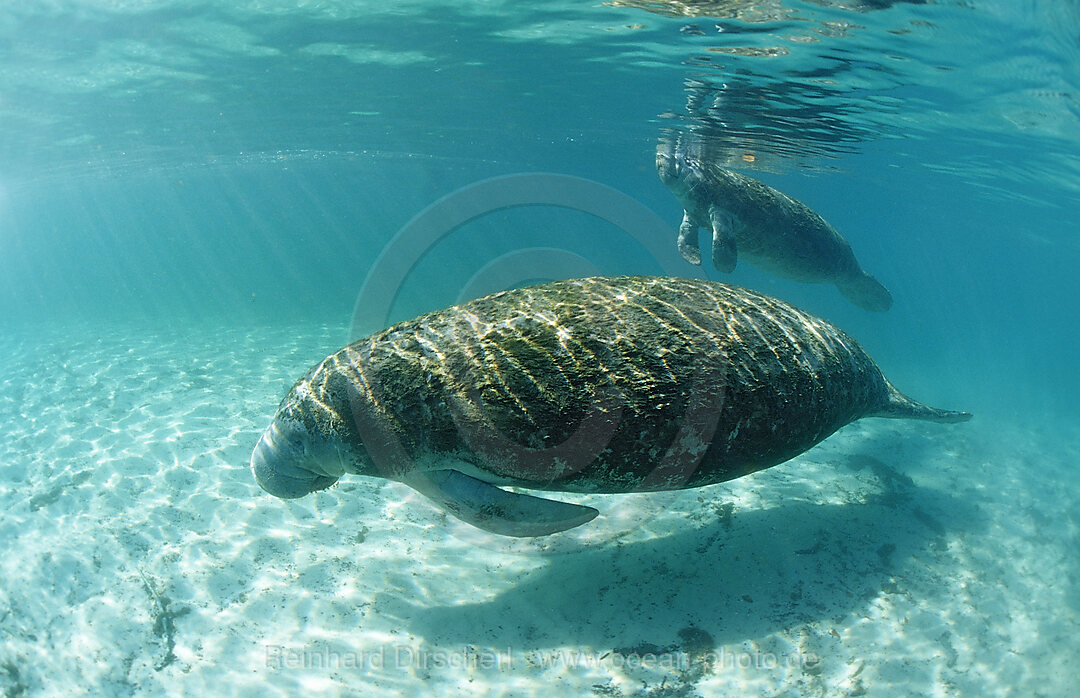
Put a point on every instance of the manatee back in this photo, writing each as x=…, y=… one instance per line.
x=607, y=384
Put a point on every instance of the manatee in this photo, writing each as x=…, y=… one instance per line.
x=771, y=230
x=602, y=384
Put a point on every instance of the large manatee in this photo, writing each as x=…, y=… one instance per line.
x=768, y=228
x=601, y=384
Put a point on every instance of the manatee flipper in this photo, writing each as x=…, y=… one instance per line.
x=688, y=241
x=866, y=292
x=724, y=253
x=495, y=510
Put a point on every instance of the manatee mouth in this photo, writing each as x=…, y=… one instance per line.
x=279, y=465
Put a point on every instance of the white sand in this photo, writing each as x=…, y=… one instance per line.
x=139, y=557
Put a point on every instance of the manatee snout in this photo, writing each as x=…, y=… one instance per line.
x=282, y=462
x=679, y=174
x=667, y=165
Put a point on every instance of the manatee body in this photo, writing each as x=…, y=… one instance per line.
x=771, y=230
x=600, y=384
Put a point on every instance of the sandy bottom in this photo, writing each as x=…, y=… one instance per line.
x=139, y=556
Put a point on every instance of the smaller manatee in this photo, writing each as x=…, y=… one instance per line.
x=773, y=231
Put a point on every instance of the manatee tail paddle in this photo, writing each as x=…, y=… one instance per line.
x=866, y=292
x=900, y=406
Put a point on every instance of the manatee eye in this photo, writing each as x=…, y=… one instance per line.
x=292, y=438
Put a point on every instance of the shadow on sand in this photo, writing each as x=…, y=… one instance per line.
x=738, y=577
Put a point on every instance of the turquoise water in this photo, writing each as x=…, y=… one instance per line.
x=193, y=196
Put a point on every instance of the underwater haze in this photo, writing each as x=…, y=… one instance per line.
x=199, y=201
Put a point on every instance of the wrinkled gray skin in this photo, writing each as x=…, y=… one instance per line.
x=769, y=229
x=611, y=385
